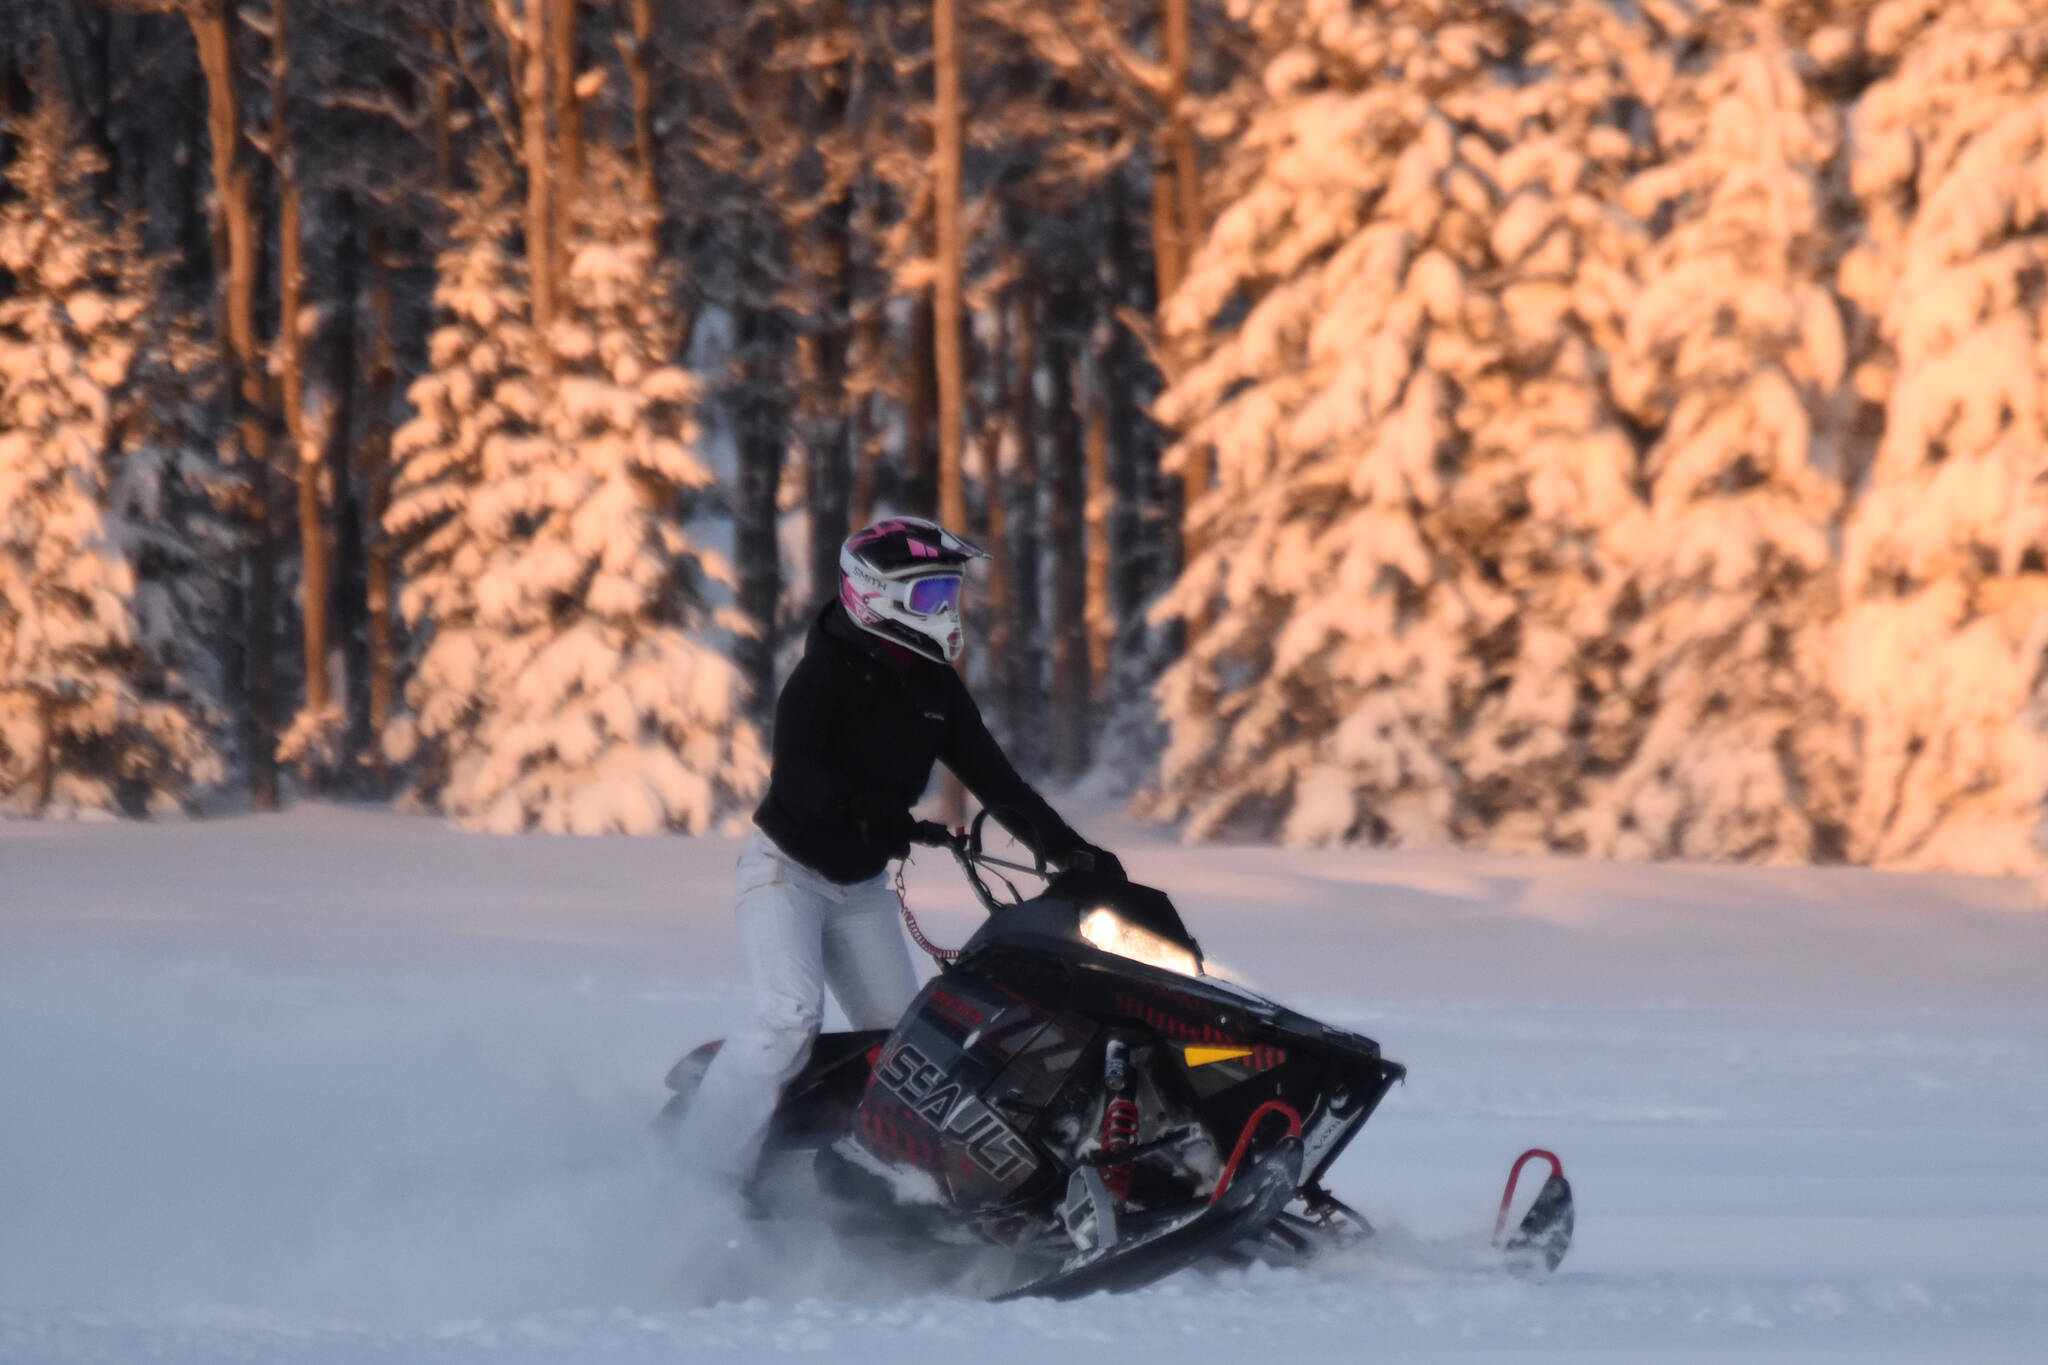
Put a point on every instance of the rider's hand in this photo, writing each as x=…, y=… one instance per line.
x=931, y=834
x=1096, y=862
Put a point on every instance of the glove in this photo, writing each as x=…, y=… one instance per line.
x=931, y=834
x=1098, y=863
x=883, y=824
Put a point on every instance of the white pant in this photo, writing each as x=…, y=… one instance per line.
x=800, y=932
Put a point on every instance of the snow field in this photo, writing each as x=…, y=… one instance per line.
x=348, y=1086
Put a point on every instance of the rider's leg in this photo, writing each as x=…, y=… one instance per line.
x=867, y=962
x=781, y=919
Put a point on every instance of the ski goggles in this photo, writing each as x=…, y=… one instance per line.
x=933, y=594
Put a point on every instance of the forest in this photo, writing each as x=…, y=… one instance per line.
x=1602, y=427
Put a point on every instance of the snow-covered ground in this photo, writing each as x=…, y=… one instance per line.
x=344, y=1086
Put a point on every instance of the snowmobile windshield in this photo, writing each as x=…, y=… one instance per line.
x=1112, y=933
x=937, y=593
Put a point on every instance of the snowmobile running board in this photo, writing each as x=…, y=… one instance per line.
x=1254, y=1199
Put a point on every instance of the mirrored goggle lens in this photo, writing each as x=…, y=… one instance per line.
x=928, y=595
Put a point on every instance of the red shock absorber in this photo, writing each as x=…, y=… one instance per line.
x=1119, y=1118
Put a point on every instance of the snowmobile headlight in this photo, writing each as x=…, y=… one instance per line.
x=1112, y=933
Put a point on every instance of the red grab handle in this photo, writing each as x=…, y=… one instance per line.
x=1507, y=1196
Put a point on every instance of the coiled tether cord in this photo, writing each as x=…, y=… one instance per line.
x=942, y=956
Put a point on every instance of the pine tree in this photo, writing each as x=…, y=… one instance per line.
x=473, y=408
x=1393, y=332
x=1946, y=555
x=105, y=701
x=1735, y=357
x=566, y=687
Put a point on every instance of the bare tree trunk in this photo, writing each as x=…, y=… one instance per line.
x=1026, y=687
x=946, y=295
x=46, y=764
x=1139, y=560
x=633, y=50
x=243, y=370
x=1185, y=231
x=946, y=288
x=568, y=118
x=290, y=352
x=568, y=107
x=1002, y=639
x=918, y=485
x=1180, y=132
x=442, y=103
x=1101, y=616
x=540, y=221
x=1071, y=718
x=830, y=461
x=342, y=377
x=381, y=367
x=870, y=337
x=829, y=443
x=756, y=550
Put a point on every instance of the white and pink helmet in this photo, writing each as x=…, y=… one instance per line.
x=900, y=579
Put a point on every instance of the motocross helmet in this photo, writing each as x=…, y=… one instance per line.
x=901, y=579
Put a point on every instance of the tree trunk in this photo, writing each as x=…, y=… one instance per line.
x=243, y=371
x=290, y=353
x=946, y=297
x=870, y=337
x=946, y=288
x=1002, y=640
x=756, y=548
x=1101, y=615
x=381, y=367
x=830, y=467
x=918, y=489
x=1185, y=230
x=568, y=118
x=46, y=764
x=633, y=50
x=1137, y=560
x=1071, y=718
x=343, y=377
x=1026, y=679
x=1180, y=132
x=540, y=246
x=442, y=104
x=828, y=442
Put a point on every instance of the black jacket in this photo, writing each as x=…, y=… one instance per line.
x=856, y=726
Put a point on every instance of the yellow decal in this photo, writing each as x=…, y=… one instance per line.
x=1202, y=1056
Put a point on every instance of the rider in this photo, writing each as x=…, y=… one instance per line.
x=869, y=707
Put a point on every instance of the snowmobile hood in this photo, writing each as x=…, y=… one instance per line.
x=1049, y=927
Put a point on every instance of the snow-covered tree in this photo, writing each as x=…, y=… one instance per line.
x=1394, y=330
x=476, y=402
x=105, y=700
x=1732, y=744
x=566, y=685
x=1946, y=556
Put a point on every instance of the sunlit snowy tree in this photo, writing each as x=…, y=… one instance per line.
x=105, y=687
x=566, y=686
x=1946, y=556
x=475, y=404
x=1422, y=493
x=1735, y=357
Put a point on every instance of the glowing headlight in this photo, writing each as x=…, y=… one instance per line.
x=1112, y=933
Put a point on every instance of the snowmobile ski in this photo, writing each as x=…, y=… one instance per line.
x=1545, y=1233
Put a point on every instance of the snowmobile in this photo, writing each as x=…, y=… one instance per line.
x=1074, y=1088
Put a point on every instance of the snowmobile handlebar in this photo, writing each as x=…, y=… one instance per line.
x=1092, y=865
x=965, y=846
